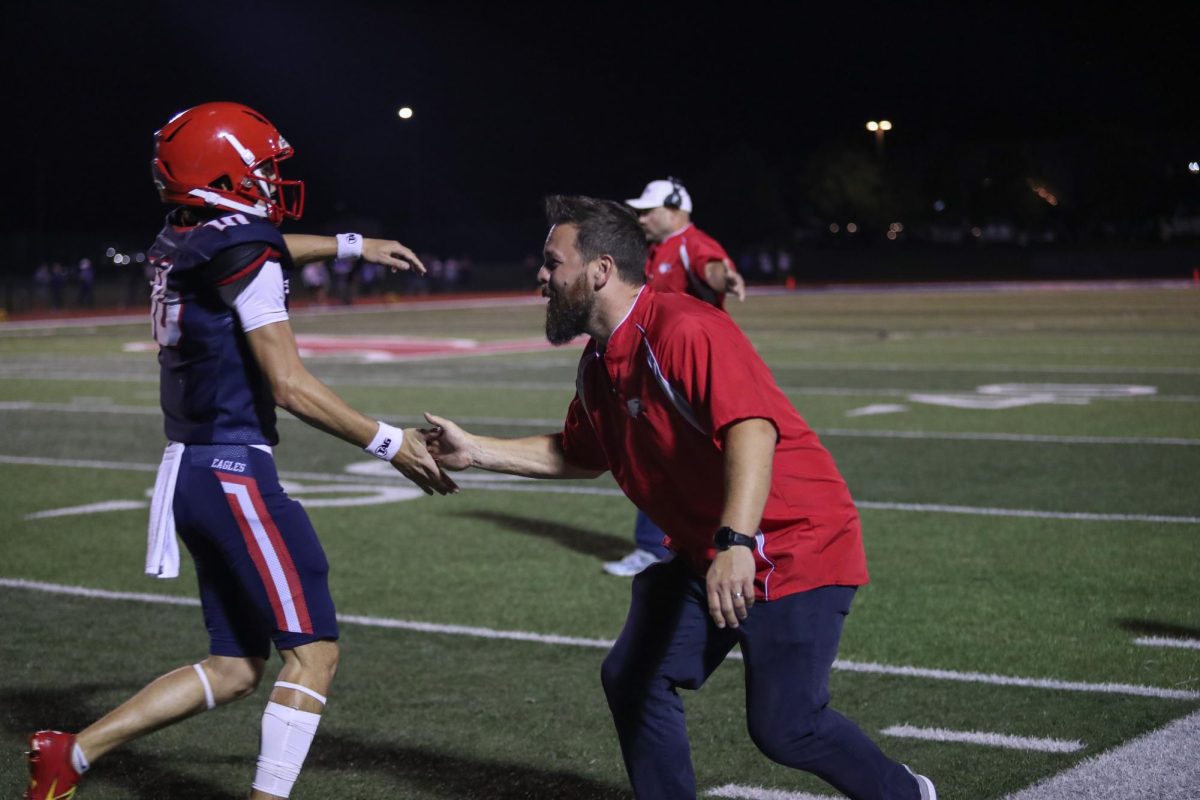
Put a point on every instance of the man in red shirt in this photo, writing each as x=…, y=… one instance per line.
x=680, y=258
x=673, y=400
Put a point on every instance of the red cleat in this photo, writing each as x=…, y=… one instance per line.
x=51, y=776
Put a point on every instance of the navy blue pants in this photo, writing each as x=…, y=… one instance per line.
x=669, y=642
x=648, y=536
x=263, y=575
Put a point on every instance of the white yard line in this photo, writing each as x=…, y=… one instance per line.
x=1164, y=641
x=575, y=641
x=1038, y=744
x=551, y=487
x=1051, y=684
x=1161, y=765
x=738, y=792
x=42, y=373
x=1010, y=437
x=1084, y=516
x=546, y=422
x=90, y=508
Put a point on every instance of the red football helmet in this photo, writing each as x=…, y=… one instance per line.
x=225, y=155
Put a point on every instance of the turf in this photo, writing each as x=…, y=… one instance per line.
x=418, y=714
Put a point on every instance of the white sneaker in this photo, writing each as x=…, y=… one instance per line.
x=631, y=564
x=926, y=785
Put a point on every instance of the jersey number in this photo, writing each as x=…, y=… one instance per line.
x=164, y=309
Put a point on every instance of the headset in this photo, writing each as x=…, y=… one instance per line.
x=675, y=198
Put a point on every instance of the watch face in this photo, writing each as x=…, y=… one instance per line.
x=726, y=538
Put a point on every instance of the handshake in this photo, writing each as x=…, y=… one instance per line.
x=428, y=453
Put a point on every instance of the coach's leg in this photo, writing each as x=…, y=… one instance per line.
x=292, y=715
x=789, y=646
x=665, y=645
x=170, y=698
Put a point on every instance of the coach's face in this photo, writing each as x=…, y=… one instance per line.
x=564, y=280
x=658, y=223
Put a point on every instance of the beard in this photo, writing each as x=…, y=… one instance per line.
x=568, y=312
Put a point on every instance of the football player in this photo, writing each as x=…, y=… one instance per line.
x=228, y=358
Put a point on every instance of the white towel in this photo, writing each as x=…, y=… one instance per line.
x=162, y=548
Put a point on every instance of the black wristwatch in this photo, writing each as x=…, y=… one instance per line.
x=727, y=537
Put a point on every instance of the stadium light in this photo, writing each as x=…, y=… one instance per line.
x=879, y=128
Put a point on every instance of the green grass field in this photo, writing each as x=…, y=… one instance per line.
x=1036, y=540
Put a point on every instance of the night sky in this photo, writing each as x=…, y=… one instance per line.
x=515, y=101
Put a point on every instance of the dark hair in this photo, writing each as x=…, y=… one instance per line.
x=605, y=228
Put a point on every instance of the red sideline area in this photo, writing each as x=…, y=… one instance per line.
x=134, y=314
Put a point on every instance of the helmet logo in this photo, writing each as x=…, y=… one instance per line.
x=247, y=156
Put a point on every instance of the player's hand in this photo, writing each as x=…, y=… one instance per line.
x=415, y=463
x=449, y=444
x=392, y=254
x=731, y=586
x=735, y=284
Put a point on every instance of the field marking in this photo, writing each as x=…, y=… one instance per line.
x=1164, y=641
x=738, y=792
x=1083, y=516
x=877, y=408
x=550, y=487
x=576, y=641
x=1161, y=764
x=1013, y=680
x=1038, y=744
x=90, y=508
x=545, y=422
x=139, y=318
x=35, y=372
x=968, y=436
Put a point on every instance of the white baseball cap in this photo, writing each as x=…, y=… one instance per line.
x=656, y=193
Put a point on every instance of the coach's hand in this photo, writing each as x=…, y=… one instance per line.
x=415, y=463
x=449, y=444
x=731, y=586
x=392, y=254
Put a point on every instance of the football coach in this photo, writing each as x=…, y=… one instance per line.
x=672, y=398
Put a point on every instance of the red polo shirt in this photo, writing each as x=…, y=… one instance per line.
x=653, y=407
x=669, y=262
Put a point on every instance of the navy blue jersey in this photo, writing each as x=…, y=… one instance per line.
x=211, y=389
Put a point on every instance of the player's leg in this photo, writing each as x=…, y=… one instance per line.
x=789, y=646
x=238, y=647
x=284, y=570
x=290, y=720
x=668, y=643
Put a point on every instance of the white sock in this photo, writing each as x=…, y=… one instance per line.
x=79, y=762
x=287, y=734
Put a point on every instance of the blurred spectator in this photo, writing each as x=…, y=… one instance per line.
x=368, y=277
x=436, y=274
x=87, y=283
x=41, y=285
x=316, y=282
x=766, y=266
x=343, y=269
x=783, y=263
x=452, y=271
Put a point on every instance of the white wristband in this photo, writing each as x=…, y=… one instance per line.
x=349, y=245
x=386, y=443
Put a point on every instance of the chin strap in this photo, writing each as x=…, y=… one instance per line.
x=221, y=201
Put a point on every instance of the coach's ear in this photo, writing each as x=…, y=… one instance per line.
x=604, y=269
